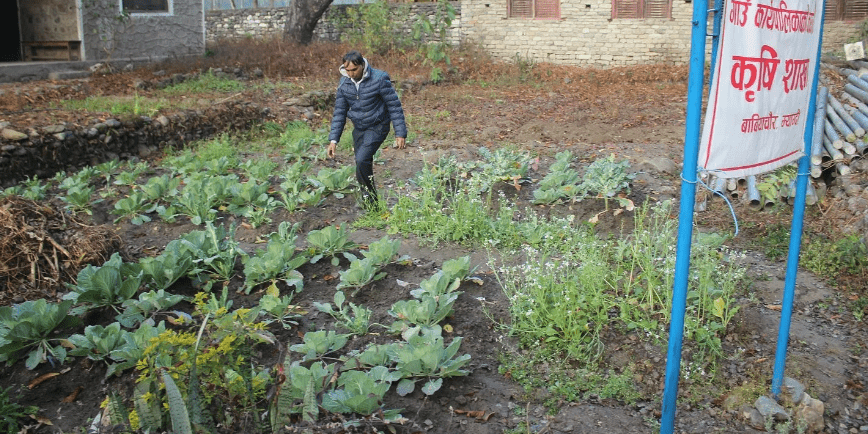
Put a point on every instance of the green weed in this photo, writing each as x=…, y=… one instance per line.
x=207, y=82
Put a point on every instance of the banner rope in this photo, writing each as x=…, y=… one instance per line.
x=728, y=203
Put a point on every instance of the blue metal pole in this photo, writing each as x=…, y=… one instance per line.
x=685, y=216
x=796, y=234
x=715, y=34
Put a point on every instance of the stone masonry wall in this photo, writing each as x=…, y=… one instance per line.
x=585, y=35
x=44, y=150
x=838, y=33
x=262, y=22
x=144, y=35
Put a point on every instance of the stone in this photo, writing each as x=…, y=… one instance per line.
x=8, y=148
x=162, y=120
x=752, y=417
x=60, y=136
x=795, y=391
x=768, y=407
x=10, y=134
x=113, y=123
x=54, y=129
x=810, y=410
x=659, y=165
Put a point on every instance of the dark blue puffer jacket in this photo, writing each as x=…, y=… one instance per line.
x=374, y=102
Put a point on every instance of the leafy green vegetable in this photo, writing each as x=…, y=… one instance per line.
x=109, y=285
x=319, y=343
x=360, y=273
x=214, y=249
x=28, y=326
x=133, y=347
x=278, y=260
x=425, y=355
x=162, y=271
x=98, y=342
x=133, y=206
x=355, y=318
x=328, y=242
x=334, y=181
x=137, y=311
x=360, y=391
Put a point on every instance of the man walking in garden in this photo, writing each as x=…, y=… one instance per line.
x=367, y=97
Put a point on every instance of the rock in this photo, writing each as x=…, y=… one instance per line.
x=794, y=390
x=145, y=151
x=768, y=407
x=54, y=129
x=8, y=148
x=857, y=204
x=97, y=67
x=162, y=120
x=10, y=134
x=753, y=417
x=60, y=136
x=810, y=411
x=659, y=165
x=113, y=123
x=853, y=189
x=159, y=73
x=257, y=72
x=128, y=67
x=4, y=124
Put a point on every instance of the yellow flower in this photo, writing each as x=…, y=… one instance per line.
x=134, y=420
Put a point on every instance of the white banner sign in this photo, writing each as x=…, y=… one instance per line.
x=758, y=105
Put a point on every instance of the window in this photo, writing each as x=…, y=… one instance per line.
x=543, y=9
x=642, y=8
x=145, y=5
x=846, y=10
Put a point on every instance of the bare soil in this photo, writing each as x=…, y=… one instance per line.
x=636, y=113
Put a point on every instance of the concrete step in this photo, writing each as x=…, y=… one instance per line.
x=65, y=75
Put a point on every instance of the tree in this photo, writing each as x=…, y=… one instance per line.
x=302, y=18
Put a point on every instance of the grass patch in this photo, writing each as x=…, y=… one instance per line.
x=207, y=82
x=120, y=105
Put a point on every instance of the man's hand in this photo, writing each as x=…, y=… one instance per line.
x=400, y=142
x=330, y=152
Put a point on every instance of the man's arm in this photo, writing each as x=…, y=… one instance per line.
x=396, y=111
x=339, y=116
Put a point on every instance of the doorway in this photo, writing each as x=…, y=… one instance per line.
x=10, y=49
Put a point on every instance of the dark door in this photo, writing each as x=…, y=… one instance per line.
x=10, y=47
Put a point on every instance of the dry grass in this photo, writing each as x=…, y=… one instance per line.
x=41, y=247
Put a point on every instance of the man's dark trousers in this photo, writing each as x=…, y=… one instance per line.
x=366, y=143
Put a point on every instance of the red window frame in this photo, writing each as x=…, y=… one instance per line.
x=535, y=9
x=846, y=10
x=642, y=9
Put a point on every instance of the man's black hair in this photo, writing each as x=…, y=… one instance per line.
x=354, y=57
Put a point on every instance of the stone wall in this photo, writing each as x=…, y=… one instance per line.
x=178, y=33
x=838, y=33
x=44, y=150
x=585, y=34
x=262, y=22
